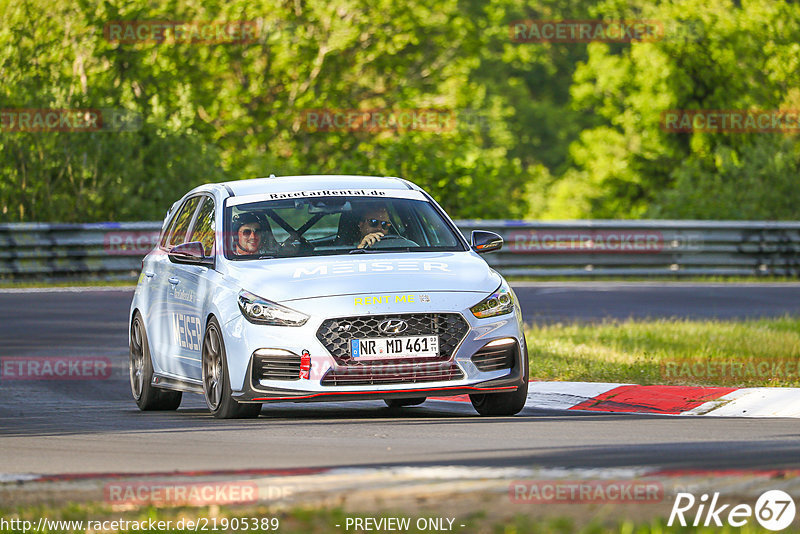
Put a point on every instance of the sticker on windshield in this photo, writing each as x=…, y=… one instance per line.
x=282, y=195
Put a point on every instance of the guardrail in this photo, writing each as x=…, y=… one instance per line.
x=104, y=251
x=113, y=251
x=644, y=248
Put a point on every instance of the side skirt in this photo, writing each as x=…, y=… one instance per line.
x=177, y=384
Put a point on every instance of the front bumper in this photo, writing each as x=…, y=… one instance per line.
x=333, y=378
x=256, y=392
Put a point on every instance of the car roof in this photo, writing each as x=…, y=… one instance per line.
x=275, y=184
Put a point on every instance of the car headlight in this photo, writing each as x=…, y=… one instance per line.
x=498, y=303
x=262, y=311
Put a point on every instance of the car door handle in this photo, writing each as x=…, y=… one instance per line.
x=174, y=281
x=149, y=274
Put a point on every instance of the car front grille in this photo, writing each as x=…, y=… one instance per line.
x=495, y=358
x=364, y=375
x=335, y=334
x=276, y=367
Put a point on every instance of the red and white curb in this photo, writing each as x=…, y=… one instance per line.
x=662, y=400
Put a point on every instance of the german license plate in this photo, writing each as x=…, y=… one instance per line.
x=379, y=348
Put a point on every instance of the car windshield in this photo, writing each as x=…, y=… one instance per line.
x=335, y=225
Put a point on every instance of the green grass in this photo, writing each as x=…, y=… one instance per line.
x=655, y=351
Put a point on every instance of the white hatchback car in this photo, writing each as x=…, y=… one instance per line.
x=322, y=288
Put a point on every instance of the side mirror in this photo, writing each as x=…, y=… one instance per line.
x=483, y=242
x=191, y=253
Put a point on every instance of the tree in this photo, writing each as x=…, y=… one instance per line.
x=723, y=57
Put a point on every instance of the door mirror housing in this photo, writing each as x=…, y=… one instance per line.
x=191, y=253
x=483, y=242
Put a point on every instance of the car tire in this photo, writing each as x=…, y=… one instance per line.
x=216, y=382
x=500, y=403
x=504, y=404
x=140, y=371
x=400, y=403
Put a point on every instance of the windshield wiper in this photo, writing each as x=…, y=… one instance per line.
x=381, y=250
x=266, y=257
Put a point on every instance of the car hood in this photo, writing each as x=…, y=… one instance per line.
x=288, y=279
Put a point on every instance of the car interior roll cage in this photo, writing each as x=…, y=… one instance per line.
x=411, y=234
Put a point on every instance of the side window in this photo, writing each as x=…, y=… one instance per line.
x=182, y=221
x=203, y=230
x=165, y=231
x=434, y=230
x=397, y=221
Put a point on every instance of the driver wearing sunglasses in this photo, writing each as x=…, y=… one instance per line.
x=249, y=229
x=372, y=226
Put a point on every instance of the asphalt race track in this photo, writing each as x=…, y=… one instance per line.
x=85, y=426
x=595, y=301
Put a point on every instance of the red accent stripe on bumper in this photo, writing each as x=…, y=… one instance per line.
x=378, y=393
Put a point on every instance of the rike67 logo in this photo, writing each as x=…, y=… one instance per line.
x=774, y=510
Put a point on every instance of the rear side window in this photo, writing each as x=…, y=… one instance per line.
x=203, y=230
x=182, y=221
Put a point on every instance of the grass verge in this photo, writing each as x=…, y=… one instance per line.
x=762, y=352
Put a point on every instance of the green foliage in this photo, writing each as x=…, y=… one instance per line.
x=63, y=62
x=558, y=130
x=759, y=181
x=715, y=55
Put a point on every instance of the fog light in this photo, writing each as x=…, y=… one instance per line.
x=501, y=342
